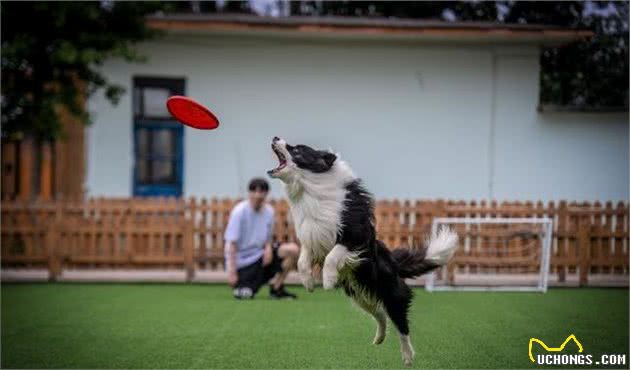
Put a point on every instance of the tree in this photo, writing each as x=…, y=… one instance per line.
x=51, y=52
x=590, y=74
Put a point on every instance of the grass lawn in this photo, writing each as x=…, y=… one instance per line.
x=202, y=326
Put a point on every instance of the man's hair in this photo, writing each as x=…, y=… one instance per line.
x=258, y=184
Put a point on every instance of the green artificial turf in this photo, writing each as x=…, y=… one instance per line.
x=202, y=326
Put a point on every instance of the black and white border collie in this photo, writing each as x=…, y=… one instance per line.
x=334, y=220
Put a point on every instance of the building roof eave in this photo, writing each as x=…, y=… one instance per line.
x=360, y=28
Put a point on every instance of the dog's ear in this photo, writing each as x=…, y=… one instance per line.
x=323, y=162
x=329, y=158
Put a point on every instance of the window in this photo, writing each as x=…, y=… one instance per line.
x=158, y=139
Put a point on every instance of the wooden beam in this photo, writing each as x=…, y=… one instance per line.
x=421, y=31
x=9, y=169
x=26, y=161
x=70, y=157
x=46, y=173
x=58, y=173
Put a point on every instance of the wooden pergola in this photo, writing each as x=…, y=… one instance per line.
x=37, y=170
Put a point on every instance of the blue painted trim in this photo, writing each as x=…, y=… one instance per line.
x=159, y=189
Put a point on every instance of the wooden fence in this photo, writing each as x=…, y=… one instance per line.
x=588, y=238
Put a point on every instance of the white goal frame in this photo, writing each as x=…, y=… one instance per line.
x=544, y=256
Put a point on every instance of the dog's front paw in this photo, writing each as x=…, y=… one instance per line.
x=308, y=282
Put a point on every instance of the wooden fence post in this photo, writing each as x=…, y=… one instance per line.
x=450, y=273
x=54, y=262
x=563, y=229
x=584, y=248
x=188, y=240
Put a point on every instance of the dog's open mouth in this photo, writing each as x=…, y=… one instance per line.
x=281, y=158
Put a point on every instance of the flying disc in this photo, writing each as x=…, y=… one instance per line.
x=191, y=113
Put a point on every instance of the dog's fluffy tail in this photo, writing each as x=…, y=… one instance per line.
x=415, y=262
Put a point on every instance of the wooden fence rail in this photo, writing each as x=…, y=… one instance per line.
x=588, y=238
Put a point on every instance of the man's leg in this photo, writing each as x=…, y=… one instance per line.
x=248, y=278
x=289, y=253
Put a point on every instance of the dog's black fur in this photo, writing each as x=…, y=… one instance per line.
x=375, y=278
x=307, y=158
x=380, y=271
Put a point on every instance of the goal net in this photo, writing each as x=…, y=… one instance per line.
x=501, y=254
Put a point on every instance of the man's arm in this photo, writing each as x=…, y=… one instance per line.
x=267, y=254
x=231, y=263
x=231, y=235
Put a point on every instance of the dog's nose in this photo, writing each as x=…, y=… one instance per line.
x=275, y=138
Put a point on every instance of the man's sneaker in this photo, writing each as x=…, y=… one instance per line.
x=243, y=293
x=281, y=293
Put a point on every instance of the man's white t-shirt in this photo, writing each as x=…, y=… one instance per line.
x=250, y=231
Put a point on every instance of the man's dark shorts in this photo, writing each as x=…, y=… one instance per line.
x=256, y=275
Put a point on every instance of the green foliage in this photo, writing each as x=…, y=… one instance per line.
x=590, y=74
x=51, y=52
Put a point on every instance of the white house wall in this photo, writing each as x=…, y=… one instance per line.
x=581, y=156
x=414, y=121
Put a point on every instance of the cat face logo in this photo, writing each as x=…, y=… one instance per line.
x=553, y=349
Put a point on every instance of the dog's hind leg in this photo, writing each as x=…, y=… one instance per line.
x=376, y=310
x=397, y=304
x=336, y=259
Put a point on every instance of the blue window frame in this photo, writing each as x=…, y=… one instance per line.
x=158, y=140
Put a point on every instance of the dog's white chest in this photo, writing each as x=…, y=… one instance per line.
x=316, y=225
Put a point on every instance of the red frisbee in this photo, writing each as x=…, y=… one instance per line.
x=191, y=113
